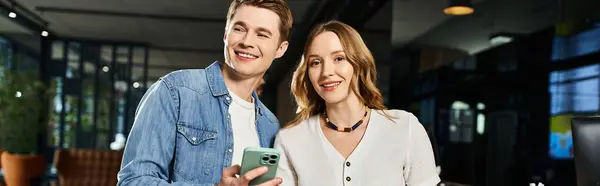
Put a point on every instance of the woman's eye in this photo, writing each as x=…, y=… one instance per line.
x=314, y=63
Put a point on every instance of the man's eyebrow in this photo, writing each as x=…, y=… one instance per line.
x=241, y=23
x=261, y=29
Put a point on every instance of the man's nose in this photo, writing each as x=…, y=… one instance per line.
x=247, y=41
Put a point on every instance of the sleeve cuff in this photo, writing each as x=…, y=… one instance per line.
x=432, y=181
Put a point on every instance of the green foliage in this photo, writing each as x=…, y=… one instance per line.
x=22, y=101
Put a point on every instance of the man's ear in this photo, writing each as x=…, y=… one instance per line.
x=282, y=48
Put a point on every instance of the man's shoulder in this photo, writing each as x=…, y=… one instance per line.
x=267, y=113
x=194, y=79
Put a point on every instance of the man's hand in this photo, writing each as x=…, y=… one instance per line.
x=229, y=179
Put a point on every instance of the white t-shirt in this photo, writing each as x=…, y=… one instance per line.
x=391, y=153
x=243, y=124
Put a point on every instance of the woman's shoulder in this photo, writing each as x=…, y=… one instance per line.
x=297, y=135
x=399, y=118
x=299, y=127
x=405, y=119
x=396, y=114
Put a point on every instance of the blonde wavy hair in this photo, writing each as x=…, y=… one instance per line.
x=363, y=81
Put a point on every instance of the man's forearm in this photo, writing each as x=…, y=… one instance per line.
x=149, y=180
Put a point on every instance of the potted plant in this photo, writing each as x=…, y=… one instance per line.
x=23, y=99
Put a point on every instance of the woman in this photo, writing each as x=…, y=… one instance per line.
x=343, y=134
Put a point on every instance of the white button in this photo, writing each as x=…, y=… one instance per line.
x=227, y=98
x=230, y=150
x=193, y=138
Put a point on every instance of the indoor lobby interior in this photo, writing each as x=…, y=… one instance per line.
x=495, y=86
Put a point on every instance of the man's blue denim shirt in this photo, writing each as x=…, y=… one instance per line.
x=182, y=132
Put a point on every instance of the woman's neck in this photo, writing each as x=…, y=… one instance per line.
x=346, y=112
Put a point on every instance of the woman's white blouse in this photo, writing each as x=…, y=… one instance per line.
x=393, y=152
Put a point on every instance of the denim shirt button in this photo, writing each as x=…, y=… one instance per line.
x=227, y=98
x=193, y=138
x=206, y=171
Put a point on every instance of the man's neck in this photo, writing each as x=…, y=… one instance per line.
x=242, y=87
x=346, y=112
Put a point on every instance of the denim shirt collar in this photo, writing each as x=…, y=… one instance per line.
x=214, y=75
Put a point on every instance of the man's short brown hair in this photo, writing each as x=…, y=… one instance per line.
x=280, y=7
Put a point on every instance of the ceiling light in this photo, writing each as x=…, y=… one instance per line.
x=45, y=33
x=12, y=15
x=136, y=85
x=500, y=39
x=459, y=7
x=105, y=69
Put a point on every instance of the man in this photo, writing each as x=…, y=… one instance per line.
x=259, y=86
x=191, y=126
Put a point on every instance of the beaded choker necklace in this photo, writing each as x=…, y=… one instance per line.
x=345, y=129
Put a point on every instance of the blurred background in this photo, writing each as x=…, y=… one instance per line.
x=495, y=82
